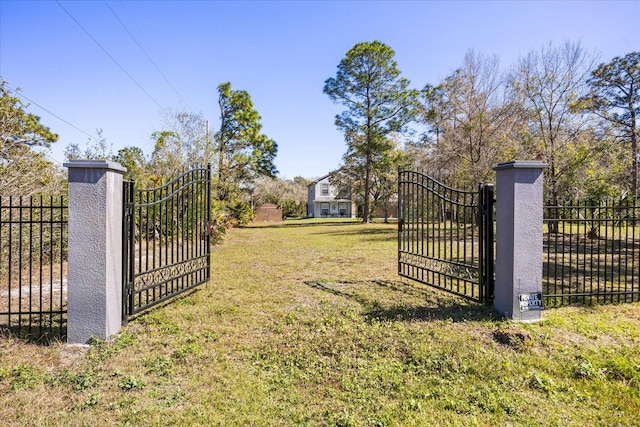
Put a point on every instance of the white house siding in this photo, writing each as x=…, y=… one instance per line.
x=323, y=201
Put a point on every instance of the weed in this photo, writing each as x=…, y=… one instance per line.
x=547, y=385
x=224, y=310
x=92, y=400
x=340, y=419
x=622, y=368
x=24, y=375
x=585, y=369
x=186, y=301
x=163, y=366
x=130, y=382
x=102, y=350
x=159, y=320
x=4, y=373
x=85, y=380
x=186, y=350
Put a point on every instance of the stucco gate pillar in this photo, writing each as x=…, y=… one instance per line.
x=94, y=291
x=519, y=205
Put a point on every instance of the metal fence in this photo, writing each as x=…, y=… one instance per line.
x=33, y=267
x=591, y=253
x=166, y=240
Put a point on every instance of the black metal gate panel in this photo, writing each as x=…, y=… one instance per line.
x=446, y=236
x=166, y=240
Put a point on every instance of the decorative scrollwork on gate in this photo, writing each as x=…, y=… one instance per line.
x=169, y=273
x=465, y=272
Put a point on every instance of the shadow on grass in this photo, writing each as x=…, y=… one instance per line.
x=365, y=234
x=364, y=231
x=300, y=223
x=36, y=335
x=433, y=305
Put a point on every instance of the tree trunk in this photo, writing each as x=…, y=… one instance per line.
x=367, y=188
x=634, y=149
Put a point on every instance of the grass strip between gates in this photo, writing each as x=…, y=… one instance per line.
x=308, y=324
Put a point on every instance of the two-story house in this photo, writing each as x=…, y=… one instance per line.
x=327, y=201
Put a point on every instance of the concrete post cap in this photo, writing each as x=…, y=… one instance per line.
x=521, y=164
x=95, y=164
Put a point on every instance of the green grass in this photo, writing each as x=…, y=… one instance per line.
x=308, y=324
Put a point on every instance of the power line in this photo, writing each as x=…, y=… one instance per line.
x=109, y=55
x=146, y=54
x=22, y=95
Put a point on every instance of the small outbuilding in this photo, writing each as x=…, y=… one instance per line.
x=269, y=213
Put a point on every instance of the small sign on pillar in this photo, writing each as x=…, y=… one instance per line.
x=531, y=301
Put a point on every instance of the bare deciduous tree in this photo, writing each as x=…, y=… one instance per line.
x=549, y=80
x=472, y=116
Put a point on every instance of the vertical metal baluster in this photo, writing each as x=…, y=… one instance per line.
x=189, y=200
x=10, y=264
x=132, y=247
x=64, y=248
x=161, y=230
x=41, y=210
x=41, y=264
x=1, y=247
x=50, y=228
x=20, y=258
x=175, y=218
x=609, y=214
x=170, y=229
x=481, y=241
x=30, y=256
x=209, y=220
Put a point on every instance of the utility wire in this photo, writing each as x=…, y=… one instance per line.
x=146, y=54
x=22, y=95
x=109, y=55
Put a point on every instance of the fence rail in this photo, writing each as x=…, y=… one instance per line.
x=33, y=266
x=591, y=253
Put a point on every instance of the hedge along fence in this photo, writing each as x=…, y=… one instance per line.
x=33, y=266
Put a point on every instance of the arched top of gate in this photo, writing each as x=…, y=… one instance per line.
x=467, y=198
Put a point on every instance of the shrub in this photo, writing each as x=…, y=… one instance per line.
x=240, y=212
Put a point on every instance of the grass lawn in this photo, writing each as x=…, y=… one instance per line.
x=308, y=324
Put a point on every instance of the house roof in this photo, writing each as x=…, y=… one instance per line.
x=318, y=180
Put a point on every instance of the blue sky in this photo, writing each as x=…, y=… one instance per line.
x=281, y=52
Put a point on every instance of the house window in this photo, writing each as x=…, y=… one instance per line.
x=343, y=209
x=324, y=209
x=343, y=192
x=324, y=189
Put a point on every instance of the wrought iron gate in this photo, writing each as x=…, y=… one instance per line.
x=166, y=240
x=446, y=236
